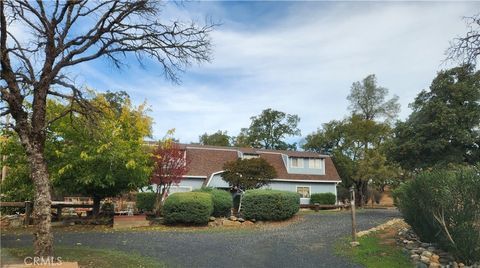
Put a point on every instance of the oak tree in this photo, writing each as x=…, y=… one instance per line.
x=269, y=130
x=62, y=34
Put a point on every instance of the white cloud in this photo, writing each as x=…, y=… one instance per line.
x=303, y=64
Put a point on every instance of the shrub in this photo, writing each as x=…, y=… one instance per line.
x=442, y=207
x=222, y=201
x=270, y=204
x=323, y=199
x=189, y=207
x=146, y=201
x=108, y=209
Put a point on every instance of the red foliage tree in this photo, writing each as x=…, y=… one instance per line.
x=170, y=165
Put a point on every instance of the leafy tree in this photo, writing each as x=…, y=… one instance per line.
x=170, y=164
x=17, y=185
x=100, y=158
x=444, y=127
x=248, y=173
x=269, y=129
x=357, y=149
x=219, y=138
x=62, y=34
x=368, y=100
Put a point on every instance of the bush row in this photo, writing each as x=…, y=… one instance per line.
x=270, y=204
x=443, y=207
x=323, y=199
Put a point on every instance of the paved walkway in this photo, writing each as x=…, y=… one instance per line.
x=308, y=243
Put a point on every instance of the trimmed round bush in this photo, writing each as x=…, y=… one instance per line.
x=146, y=201
x=222, y=201
x=189, y=207
x=269, y=204
x=323, y=199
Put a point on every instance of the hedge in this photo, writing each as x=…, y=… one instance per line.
x=222, y=201
x=189, y=207
x=269, y=204
x=146, y=201
x=442, y=204
x=323, y=199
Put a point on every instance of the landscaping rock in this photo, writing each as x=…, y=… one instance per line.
x=355, y=244
x=229, y=223
x=211, y=218
x=427, y=254
x=435, y=258
x=248, y=223
x=425, y=259
x=232, y=218
x=240, y=219
x=420, y=265
x=415, y=257
x=434, y=265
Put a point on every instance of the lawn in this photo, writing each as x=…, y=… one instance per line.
x=376, y=250
x=86, y=257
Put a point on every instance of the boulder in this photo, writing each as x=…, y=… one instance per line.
x=232, y=218
x=211, y=218
x=241, y=219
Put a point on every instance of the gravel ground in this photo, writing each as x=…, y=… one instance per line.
x=307, y=243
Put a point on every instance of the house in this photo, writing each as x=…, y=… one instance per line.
x=302, y=172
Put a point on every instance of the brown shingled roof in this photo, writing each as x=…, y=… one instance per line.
x=205, y=160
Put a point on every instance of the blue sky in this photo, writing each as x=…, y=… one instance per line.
x=297, y=57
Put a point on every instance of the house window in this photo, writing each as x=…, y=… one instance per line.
x=304, y=191
x=315, y=163
x=296, y=162
x=250, y=156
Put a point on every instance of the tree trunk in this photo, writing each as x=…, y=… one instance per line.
x=42, y=237
x=96, y=205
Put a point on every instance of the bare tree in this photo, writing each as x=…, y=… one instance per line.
x=64, y=34
x=465, y=49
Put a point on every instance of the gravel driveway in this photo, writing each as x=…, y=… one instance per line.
x=308, y=243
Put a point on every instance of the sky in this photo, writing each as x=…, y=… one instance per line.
x=296, y=57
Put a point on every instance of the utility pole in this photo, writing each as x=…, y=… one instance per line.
x=354, y=242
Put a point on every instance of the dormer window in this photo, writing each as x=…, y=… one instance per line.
x=315, y=163
x=250, y=156
x=296, y=162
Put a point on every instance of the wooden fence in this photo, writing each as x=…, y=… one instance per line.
x=28, y=205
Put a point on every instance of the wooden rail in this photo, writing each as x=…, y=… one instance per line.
x=29, y=208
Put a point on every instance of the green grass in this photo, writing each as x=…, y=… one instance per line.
x=86, y=257
x=372, y=254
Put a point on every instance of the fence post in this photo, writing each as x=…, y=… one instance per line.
x=28, y=212
x=352, y=208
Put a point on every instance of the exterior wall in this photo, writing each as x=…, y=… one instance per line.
x=306, y=170
x=218, y=182
x=315, y=187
